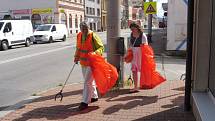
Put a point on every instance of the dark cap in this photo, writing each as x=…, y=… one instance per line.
x=83, y=24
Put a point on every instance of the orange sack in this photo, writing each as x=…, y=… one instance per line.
x=105, y=74
x=129, y=56
x=149, y=77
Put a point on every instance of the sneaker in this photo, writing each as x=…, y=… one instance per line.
x=94, y=100
x=83, y=106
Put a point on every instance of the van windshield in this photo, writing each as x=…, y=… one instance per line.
x=1, y=24
x=43, y=28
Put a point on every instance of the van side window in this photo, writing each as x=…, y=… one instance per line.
x=8, y=27
x=53, y=28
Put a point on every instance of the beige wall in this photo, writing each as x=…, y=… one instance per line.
x=72, y=9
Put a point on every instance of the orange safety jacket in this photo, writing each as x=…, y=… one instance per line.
x=84, y=48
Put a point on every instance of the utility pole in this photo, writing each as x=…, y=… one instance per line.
x=126, y=12
x=150, y=26
x=113, y=32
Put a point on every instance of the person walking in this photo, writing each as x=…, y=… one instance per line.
x=136, y=39
x=87, y=42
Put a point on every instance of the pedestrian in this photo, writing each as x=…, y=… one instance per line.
x=137, y=38
x=87, y=42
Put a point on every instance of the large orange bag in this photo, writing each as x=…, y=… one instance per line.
x=149, y=78
x=105, y=74
x=129, y=56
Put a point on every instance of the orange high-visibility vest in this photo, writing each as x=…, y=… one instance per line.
x=84, y=48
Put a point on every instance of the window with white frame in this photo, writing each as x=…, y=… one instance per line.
x=87, y=9
x=98, y=12
x=70, y=20
x=76, y=21
x=93, y=11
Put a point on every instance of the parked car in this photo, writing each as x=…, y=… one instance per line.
x=15, y=32
x=50, y=32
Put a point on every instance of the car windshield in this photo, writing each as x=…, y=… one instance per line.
x=43, y=28
x=1, y=24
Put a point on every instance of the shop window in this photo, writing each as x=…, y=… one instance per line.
x=25, y=17
x=7, y=17
x=36, y=20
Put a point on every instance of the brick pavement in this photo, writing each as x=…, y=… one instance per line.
x=164, y=103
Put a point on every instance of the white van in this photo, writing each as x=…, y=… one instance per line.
x=15, y=32
x=50, y=32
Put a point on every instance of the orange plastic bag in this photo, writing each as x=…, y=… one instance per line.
x=105, y=74
x=129, y=56
x=149, y=78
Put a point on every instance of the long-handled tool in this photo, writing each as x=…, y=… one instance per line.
x=60, y=94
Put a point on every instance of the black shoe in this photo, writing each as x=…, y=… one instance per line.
x=94, y=100
x=83, y=106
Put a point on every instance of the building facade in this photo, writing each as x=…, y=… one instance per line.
x=104, y=15
x=203, y=60
x=93, y=14
x=69, y=12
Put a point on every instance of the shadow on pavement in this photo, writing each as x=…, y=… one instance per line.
x=174, y=111
x=39, y=99
x=52, y=97
x=134, y=101
x=179, y=89
x=55, y=112
x=115, y=93
x=173, y=114
x=175, y=102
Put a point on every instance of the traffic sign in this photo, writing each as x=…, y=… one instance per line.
x=150, y=8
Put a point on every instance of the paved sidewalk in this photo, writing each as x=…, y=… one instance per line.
x=164, y=103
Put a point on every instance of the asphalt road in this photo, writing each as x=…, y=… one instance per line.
x=25, y=71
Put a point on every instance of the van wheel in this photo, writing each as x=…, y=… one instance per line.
x=27, y=43
x=4, y=45
x=64, y=38
x=50, y=39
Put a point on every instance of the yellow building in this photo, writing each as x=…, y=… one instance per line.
x=104, y=15
x=69, y=12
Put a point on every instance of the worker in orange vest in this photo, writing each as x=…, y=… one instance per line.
x=87, y=41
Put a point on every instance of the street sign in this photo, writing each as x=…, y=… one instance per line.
x=150, y=8
x=135, y=3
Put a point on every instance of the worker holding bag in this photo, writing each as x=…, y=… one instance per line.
x=134, y=54
x=87, y=42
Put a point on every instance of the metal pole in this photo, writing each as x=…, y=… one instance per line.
x=113, y=32
x=187, y=102
x=150, y=26
x=126, y=12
